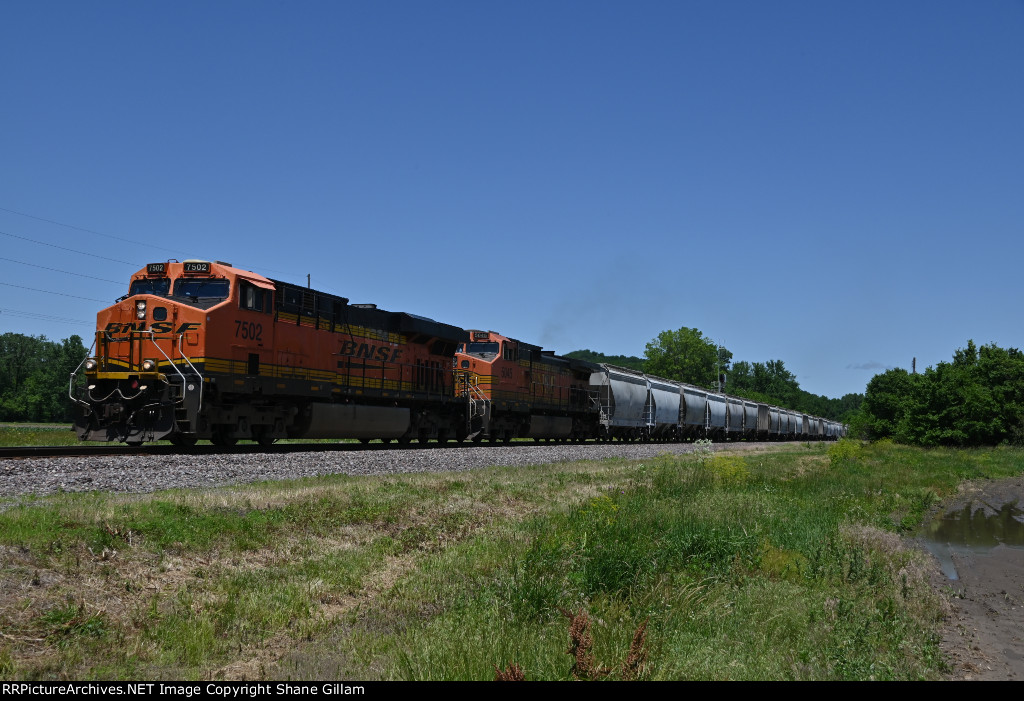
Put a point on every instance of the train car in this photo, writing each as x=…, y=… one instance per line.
x=751, y=414
x=624, y=397
x=734, y=416
x=203, y=350
x=665, y=400
x=774, y=423
x=715, y=426
x=694, y=411
x=524, y=391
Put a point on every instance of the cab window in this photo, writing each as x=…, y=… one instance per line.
x=254, y=298
x=159, y=286
x=201, y=292
x=483, y=349
x=195, y=289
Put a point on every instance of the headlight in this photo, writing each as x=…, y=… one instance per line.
x=140, y=309
x=148, y=365
x=91, y=365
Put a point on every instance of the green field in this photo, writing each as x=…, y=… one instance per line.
x=779, y=564
x=17, y=435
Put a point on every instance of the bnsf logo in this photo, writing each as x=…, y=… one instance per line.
x=158, y=327
x=365, y=350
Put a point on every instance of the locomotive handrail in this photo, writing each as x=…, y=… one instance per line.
x=469, y=387
x=184, y=382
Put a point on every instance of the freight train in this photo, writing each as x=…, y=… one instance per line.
x=200, y=350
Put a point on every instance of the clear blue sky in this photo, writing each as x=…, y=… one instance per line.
x=836, y=184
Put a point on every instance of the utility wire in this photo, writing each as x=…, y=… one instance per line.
x=65, y=272
x=110, y=236
x=43, y=317
x=53, y=245
x=51, y=292
x=90, y=231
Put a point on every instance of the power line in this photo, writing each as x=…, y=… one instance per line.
x=133, y=242
x=90, y=231
x=65, y=272
x=43, y=317
x=51, y=292
x=53, y=245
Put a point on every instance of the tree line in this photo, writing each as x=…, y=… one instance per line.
x=34, y=376
x=977, y=399
x=686, y=355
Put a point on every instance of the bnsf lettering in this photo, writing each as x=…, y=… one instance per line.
x=384, y=354
x=161, y=327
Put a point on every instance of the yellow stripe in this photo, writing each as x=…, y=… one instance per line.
x=239, y=367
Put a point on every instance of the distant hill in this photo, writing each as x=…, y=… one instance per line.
x=626, y=361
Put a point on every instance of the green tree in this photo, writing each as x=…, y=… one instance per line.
x=625, y=361
x=687, y=356
x=771, y=382
x=888, y=398
x=978, y=399
x=34, y=375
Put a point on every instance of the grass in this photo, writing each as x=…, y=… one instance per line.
x=19, y=435
x=786, y=564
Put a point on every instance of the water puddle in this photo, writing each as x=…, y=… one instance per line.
x=976, y=528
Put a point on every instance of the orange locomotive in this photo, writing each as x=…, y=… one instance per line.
x=526, y=392
x=203, y=350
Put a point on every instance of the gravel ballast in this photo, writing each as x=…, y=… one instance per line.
x=140, y=474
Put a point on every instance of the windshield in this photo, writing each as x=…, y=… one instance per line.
x=159, y=286
x=201, y=289
x=482, y=348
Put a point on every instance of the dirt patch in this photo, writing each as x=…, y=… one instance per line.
x=984, y=634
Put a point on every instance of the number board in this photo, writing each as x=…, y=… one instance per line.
x=195, y=267
x=156, y=269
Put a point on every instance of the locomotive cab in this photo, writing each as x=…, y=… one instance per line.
x=145, y=376
x=529, y=392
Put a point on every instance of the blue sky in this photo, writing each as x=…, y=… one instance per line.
x=836, y=184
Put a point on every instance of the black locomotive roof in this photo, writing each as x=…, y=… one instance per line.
x=412, y=323
x=304, y=301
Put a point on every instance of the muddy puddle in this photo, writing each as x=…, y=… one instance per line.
x=975, y=528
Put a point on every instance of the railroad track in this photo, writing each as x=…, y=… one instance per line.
x=102, y=450
x=85, y=451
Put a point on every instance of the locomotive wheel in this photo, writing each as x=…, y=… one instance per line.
x=223, y=438
x=262, y=437
x=182, y=440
